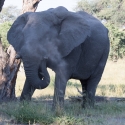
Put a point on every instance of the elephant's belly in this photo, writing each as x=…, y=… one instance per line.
x=85, y=67
x=81, y=73
x=88, y=61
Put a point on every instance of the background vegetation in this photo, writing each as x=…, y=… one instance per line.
x=4, y=27
x=7, y=16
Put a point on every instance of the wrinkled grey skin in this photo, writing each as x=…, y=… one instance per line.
x=73, y=45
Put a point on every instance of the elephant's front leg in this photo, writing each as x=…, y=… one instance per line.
x=27, y=92
x=59, y=91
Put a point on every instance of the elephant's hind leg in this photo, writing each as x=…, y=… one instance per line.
x=90, y=91
x=84, y=92
x=92, y=83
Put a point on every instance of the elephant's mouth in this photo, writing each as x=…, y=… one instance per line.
x=41, y=74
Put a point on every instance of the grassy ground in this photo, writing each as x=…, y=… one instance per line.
x=39, y=111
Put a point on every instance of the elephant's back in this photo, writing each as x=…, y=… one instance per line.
x=99, y=33
x=94, y=23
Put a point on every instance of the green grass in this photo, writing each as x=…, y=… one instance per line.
x=28, y=112
x=39, y=112
x=111, y=90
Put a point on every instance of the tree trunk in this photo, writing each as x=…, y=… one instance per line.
x=1, y=4
x=9, y=66
x=30, y=5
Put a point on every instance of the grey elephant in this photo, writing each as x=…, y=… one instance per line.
x=72, y=44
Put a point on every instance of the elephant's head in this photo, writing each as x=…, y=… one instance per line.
x=44, y=38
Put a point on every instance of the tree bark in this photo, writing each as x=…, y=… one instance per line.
x=30, y=5
x=1, y=4
x=9, y=66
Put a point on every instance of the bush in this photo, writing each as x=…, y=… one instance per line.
x=4, y=27
x=117, y=42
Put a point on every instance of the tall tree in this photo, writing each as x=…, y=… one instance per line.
x=30, y=5
x=9, y=64
x=110, y=10
x=1, y=4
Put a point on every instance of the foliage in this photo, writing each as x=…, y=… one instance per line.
x=84, y=5
x=4, y=27
x=113, y=11
x=9, y=13
x=7, y=16
x=117, y=42
x=110, y=10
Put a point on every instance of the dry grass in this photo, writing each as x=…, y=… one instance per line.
x=114, y=73
x=113, y=80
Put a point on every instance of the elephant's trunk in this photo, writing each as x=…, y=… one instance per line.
x=33, y=78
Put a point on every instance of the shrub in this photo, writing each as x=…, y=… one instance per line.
x=117, y=42
x=4, y=27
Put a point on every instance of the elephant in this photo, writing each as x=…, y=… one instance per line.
x=75, y=45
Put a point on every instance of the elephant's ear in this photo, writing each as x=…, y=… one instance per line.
x=15, y=34
x=74, y=31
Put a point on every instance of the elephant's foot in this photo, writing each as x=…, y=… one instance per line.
x=87, y=102
x=25, y=97
x=58, y=107
x=27, y=92
x=59, y=110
